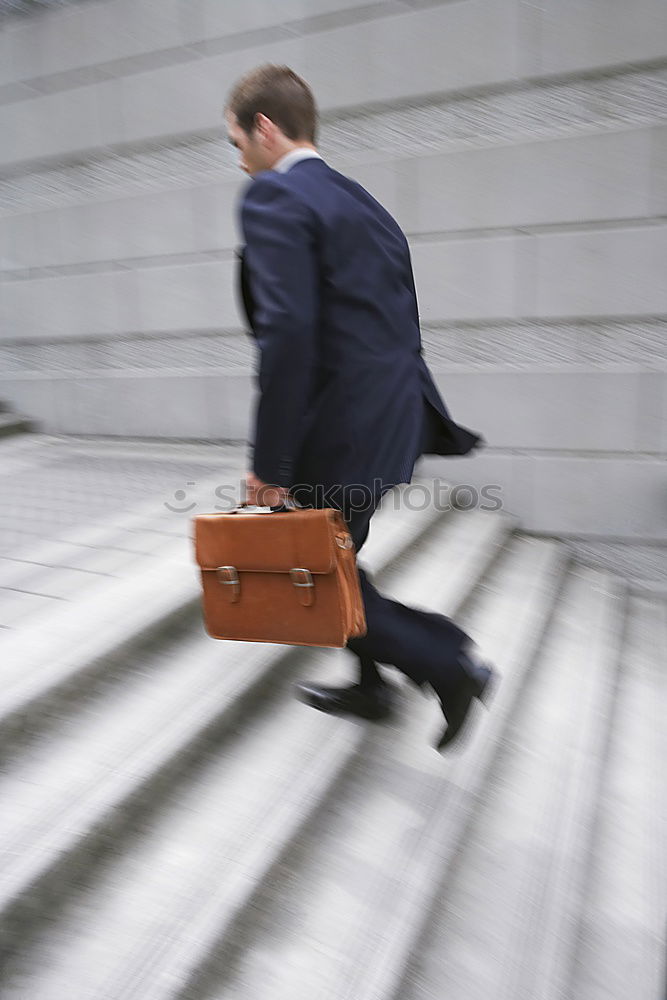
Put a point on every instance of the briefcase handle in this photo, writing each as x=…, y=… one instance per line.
x=249, y=508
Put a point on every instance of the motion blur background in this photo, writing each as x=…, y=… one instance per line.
x=521, y=145
x=175, y=824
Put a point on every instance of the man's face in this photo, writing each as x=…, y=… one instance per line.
x=253, y=155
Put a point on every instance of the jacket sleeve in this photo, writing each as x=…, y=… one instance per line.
x=279, y=231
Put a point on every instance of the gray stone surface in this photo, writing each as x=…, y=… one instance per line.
x=139, y=227
x=215, y=214
x=167, y=102
x=37, y=397
x=188, y=296
x=206, y=833
x=78, y=515
x=644, y=566
x=659, y=171
x=621, y=945
x=568, y=493
x=449, y=47
x=466, y=278
x=611, y=272
x=187, y=97
x=629, y=99
x=65, y=483
x=586, y=178
x=121, y=35
x=44, y=43
x=89, y=35
x=84, y=121
x=522, y=877
x=574, y=36
x=204, y=406
x=611, y=345
x=242, y=850
x=65, y=306
x=523, y=345
x=623, y=498
x=384, y=845
x=604, y=413
x=122, y=28
x=523, y=185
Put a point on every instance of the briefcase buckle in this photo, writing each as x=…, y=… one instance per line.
x=229, y=576
x=303, y=579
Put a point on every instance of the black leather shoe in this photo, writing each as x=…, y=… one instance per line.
x=477, y=682
x=375, y=703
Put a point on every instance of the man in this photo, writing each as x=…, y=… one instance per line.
x=346, y=402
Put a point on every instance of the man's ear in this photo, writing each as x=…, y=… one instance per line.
x=263, y=125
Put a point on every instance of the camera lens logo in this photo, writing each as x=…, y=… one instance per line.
x=180, y=496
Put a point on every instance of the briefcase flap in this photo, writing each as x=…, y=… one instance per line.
x=268, y=543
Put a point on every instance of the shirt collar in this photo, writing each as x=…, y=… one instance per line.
x=294, y=156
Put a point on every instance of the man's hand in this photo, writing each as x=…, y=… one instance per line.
x=262, y=494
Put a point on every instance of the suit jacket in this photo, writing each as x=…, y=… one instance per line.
x=326, y=281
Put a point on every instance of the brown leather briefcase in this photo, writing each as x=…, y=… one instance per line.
x=287, y=576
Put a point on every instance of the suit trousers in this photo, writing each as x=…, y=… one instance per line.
x=421, y=644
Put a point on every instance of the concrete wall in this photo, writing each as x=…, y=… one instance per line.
x=522, y=147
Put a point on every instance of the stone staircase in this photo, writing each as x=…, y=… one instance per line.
x=177, y=825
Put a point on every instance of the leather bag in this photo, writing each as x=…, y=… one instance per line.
x=286, y=575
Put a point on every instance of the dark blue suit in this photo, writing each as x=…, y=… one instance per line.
x=346, y=399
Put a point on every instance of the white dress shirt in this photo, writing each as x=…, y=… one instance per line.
x=295, y=156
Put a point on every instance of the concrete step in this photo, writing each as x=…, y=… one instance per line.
x=76, y=639
x=621, y=946
x=36, y=577
x=66, y=489
x=110, y=542
x=61, y=567
x=85, y=558
x=28, y=451
x=217, y=686
x=200, y=853
x=508, y=924
x=347, y=907
x=82, y=638
x=78, y=695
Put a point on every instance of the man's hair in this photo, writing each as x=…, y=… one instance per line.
x=281, y=95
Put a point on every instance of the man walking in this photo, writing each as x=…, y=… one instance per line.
x=346, y=404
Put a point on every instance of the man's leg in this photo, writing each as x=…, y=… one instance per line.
x=421, y=644
x=429, y=648
x=370, y=679
x=370, y=697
